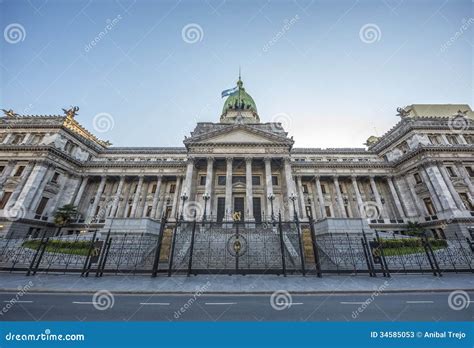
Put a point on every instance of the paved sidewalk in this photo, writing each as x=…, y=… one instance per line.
x=235, y=284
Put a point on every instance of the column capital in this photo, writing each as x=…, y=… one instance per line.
x=354, y=177
x=248, y=159
x=317, y=177
x=229, y=159
x=210, y=159
x=267, y=159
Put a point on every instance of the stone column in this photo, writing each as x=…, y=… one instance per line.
x=339, y=197
x=98, y=194
x=465, y=176
x=208, y=187
x=188, y=181
x=290, y=186
x=33, y=203
x=396, y=199
x=249, y=187
x=451, y=188
x=418, y=203
x=79, y=193
x=301, y=204
x=29, y=184
x=7, y=138
x=136, y=196
x=378, y=200
x=53, y=203
x=228, y=188
x=440, y=189
x=117, y=197
x=142, y=206
x=156, y=197
x=433, y=194
x=175, y=208
x=268, y=185
x=360, y=202
x=322, y=205
x=7, y=172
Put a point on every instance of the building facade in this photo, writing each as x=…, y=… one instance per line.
x=421, y=170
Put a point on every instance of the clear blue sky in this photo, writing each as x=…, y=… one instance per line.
x=328, y=82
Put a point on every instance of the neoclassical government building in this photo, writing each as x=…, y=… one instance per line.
x=421, y=170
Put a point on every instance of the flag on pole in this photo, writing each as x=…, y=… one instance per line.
x=229, y=91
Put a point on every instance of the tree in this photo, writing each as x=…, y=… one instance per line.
x=415, y=229
x=64, y=215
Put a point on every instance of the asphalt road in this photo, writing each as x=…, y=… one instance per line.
x=335, y=307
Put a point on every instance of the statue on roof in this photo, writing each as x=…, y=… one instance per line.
x=71, y=112
x=10, y=113
x=402, y=112
x=461, y=113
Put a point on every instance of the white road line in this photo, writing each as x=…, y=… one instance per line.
x=155, y=303
x=77, y=302
x=358, y=303
x=19, y=301
x=419, y=301
x=296, y=303
x=220, y=303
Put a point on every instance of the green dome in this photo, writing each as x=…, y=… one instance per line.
x=239, y=100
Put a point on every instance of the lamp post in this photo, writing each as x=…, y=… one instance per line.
x=271, y=198
x=184, y=197
x=293, y=198
x=206, y=197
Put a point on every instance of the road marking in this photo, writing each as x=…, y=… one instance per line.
x=358, y=303
x=155, y=303
x=78, y=302
x=420, y=301
x=18, y=301
x=220, y=303
x=295, y=303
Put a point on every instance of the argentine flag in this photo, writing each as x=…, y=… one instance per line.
x=229, y=91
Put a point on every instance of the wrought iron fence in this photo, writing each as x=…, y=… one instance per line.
x=236, y=247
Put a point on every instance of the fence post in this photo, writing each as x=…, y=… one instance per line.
x=158, y=248
x=40, y=255
x=368, y=256
x=315, y=248
x=282, y=245
x=107, y=248
x=102, y=254
x=88, y=257
x=36, y=254
x=190, y=264
x=173, y=242
x=300, y=244
x=386, y=271
x=430, y=254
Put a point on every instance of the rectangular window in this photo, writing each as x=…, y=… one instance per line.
x=323, y=189
x=274, y=180
x=19, y=171
x=5, y=198
x=1, y=169
x=341, y=188
x=257, y=209
x=55, y=177
x=221, y=180
x=417, y=178
x=202, y=180
x=220, y=208
x=451, y=172
x=238, y=179
x=153, y=188
x=168, y=212
x=256, y=180
x=429, y=206
x=305, y=188
x=328, y=210
x=433, y=139
x=41, y=206
x=470, y=171
x=172, y=188
x=148, y=211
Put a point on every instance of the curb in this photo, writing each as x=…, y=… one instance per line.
x=263, y=292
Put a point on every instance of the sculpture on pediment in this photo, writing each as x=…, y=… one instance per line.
x=10, y=113
x=71, y=112
x=402, y=112
x=461, y=113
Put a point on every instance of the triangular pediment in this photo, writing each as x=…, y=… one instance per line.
x=239, y=134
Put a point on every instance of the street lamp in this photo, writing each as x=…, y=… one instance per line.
x=184, y=197
x=271, y=198
x=206, y=197
x=293, y=198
